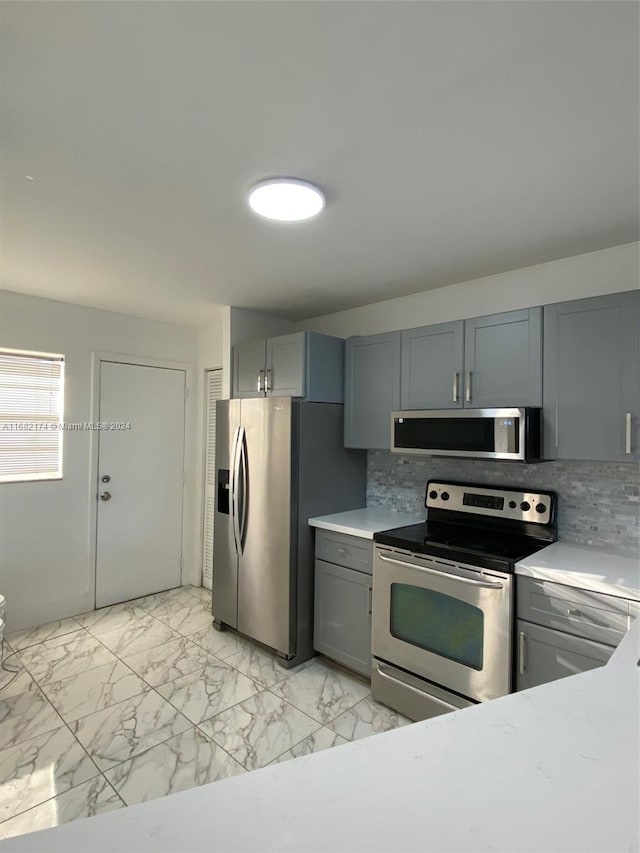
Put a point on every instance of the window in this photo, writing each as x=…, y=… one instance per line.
x=31, y=409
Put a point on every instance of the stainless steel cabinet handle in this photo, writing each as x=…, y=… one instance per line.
x=456, y=381
x=484, y=584
x=578, y=614
x=267, y=382
x=521, y=648
x=467, y=387
x=105, y=496
x=259, y=381
x=342, y=550
x=370, y=600
x=627, y=433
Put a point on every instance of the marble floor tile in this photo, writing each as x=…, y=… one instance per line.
x=25, y=716
x=64, y=656
x=322, y=739
x=41, y=768
x=138, y=637
x=321, y=692
x=367, y=718
x=184, y=761
x=118, y=733
x=185, y=617
x=85, y=800
x=14, y=679
x=114, y=618
x=93, y=690
x=222, y=644
x=167, y=662
x=259, y=729
x=201, y=593
x=180, y=593
x=208, y=691
x=259, y=665
x=31, y=636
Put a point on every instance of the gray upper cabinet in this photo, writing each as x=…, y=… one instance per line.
x=372, y=389
x=248, y=369
x=481, y=363
x=503, y=360
x=591, y=378
x=285, y=371
x=432, y=362
x=303, y=364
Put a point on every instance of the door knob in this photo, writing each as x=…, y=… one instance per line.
x=105, y=496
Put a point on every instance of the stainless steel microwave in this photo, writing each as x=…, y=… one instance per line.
x=509, y=434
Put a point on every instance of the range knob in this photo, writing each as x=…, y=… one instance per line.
x=445, y=496
x=433, y=494
x=540, y=508
x=525, y=506
x=512, y=504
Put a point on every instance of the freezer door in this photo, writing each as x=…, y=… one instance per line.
x=265, y=594
x=225, y=555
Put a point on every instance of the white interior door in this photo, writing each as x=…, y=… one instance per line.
x=213, y=392
x=139, y=529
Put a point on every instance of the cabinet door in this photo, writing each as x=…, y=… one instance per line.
x=503, y=360
x=432, y=361
x=372, y=389
x=591, y=378
x=248, y=368
x=545, y=655
x=342, y=619
x=286, y=365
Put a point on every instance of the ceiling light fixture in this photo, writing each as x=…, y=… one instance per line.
x=286, y=199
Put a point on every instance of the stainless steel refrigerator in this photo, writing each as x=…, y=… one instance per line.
x=279, y=462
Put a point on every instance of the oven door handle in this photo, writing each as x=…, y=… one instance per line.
x=482, y=584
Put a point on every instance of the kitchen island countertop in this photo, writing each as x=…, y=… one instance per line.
x=548, y=769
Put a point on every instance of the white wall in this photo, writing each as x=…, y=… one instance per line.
x=592, y=274
x=46, y=564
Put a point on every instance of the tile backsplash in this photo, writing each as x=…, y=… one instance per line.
x=598, y=502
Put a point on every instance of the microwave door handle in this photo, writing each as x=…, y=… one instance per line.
x=483, y=584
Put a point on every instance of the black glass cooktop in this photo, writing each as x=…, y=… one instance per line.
x=465, y=544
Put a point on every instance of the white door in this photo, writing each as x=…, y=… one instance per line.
x=139, y=533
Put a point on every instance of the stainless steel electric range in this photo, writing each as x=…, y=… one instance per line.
x=443, y=596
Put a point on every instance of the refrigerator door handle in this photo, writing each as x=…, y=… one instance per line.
x=234, y=488
x=244, y=502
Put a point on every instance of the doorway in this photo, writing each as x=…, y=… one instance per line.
x=141, y=453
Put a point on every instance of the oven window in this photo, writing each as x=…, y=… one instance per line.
x=438, y=623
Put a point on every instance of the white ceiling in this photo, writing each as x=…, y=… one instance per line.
x=452, y=139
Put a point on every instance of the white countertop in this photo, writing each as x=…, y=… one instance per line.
x=365, y=522
x=548, y=769
x=589, y=568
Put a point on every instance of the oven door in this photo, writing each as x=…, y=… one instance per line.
x=446, y=622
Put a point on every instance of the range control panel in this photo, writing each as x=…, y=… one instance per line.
x=534, y=507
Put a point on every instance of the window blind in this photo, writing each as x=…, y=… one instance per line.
x=213, y=392
x=31, y=411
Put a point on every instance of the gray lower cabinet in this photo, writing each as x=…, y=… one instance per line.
x=343, y=588
x=545, y=655
x=372, y=389
x=303, y=364
x=591, y=378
